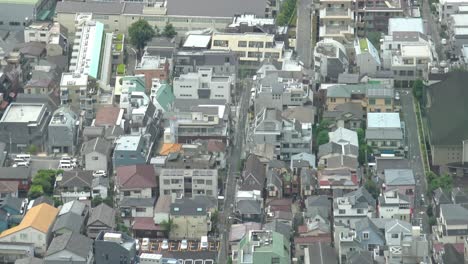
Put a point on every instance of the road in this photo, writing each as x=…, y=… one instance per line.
x=304, y=32
x=414, y=156
x=234, y=159
x=433, y=28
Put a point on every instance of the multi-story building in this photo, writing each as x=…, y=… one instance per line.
x=393, y=204
x=162, y=95
x=79, y=92
x=251, y=48
x=63, y=131
x=53, y=35
x=392, y=44
x=385, y=133
x=115, y=247
x=411, y=63
x=189, y=182
x=330, y=59
x=447, y=8
x=337, y=20
x=191, y=220
x=373, y=16
x=223, y=62
x=401, y=180
x=262, y=247
x=25, y=124
x=16, y=15
x=130, y=150
x=152, y=67
x=372, y=97
x=452, y=225
x=367, y=57
x=203, y=85
x=352, y=207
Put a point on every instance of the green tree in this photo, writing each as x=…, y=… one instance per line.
x=372, y=188
x=140, y=32
x=57, y=202
x=418, y=90
x=322, y=137
x=32, y=149
x=287, y=11
x=169, y=31
x=35, y=191
x=168, y=225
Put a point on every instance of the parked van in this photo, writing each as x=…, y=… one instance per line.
x=18, y=160
x=25, y=157
x=204, y=242
x=65, y=166
x=21, y=164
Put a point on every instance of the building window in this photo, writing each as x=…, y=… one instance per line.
x=275, y=260
x=94, y=158
x=365, y=235
x=388, y=101
x=372, y=101
x=342, y=211
x=23, y=236
x=166, y=182
x=242, y=44
x=220, y=43
x=141, y=210
x=360, y=211
x=126, y=193
x=14, y=23
x=255, y=44
x=208, y=182
x=394, y=235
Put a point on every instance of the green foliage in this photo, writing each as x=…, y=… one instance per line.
x=140, y=32
x=374, y=38
x=57, y=202
x=229, y=260
x=286, y=13
x=372, y=188
x=32, y=149
x=43, y=183
x=121, y=69
x=169, y=31
x=429, y=211
x=418, y=90
x=120, y=37
x=168, y=225
x=35, y=191
x=118, y=47
x=322, y=137
x=434, y=181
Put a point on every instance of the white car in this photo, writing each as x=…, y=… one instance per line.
x=165, y=244
x=137, y=244
x=21, y=165
x=184, y=244
x=397, y=96
x=145, y=244
x=99, y=173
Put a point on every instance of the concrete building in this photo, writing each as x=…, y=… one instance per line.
x=392, y=44
x=16, y=15
x=203, y=85
x=191, y=220
x=354, y=206
x=53, y=35
x=63, y=131
x=337, y=20
x=394, y=205
x=367, y=57
x=162, y=95
x=411, y=63
x=79, y=92
x=153, y=67
x=448, y=8
x=25, y=125
x=385, y=133
x=115, y=247
x=96, y=154
x=197, y=182
x=130, y=150
x=262, y=247
x=223, y=62
x=330, y=59
x=374, y=16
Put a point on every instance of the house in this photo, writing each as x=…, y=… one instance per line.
x=459, y=196
x=367, y=57
x=69, y=247
x=11, y=212
x=348, y=115
x=452, y=224
x=8, y=189
x=361, y=257
x=101, y=219
x=447, y=135
x=72, y=217
x=130, y=150
x=439, y=197
x=337, y=179
x=386, y=163
x=302, y=161
x=270, y=247
x=189, y=182
x=115, y=247
x=133, y=209
x=29, y=260
x=100, y=187
x=162, y=209
x=384, y=133
x=162, y=95
x=190, y=60
x=253, y=175
x=369, y=235
x=135, y=181
x=393, y=204
x=303, y=114
x=402, y=180
x=318, y=209
x=324, y=250
x=153, y=67
x=76, y=88
x=279, y=209
x=341, y=151
x=190, y=219
x=274, y=183
x=54, y=35
x=249, y=205
x=353, y=206
x=96, y=154
x=308, y=182
x=20, y=177
x=35, y=228
x=372, y=97
x=397, y=231
x=62, y=131
x=280, y=227
x=73, y=185
x=218, y=149
x=16, y=252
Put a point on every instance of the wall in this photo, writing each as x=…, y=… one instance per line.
x=29, y=235
x=124, y=158
x=446, y=154
x=65, y=257
x=63, y=138
x=110, y=253
x=15, y=13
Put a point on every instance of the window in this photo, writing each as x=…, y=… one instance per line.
x=137, y=192
x=23, y=236
x=211, y=118
x=200, y=181
x=275, y=260
x=255, y=44
x=174, y=181
x=141, y=210
x=220, y=43
x=209, y=182
x=94, y=158
x=14, y=23
x=166, y=182
x=360, y=211
x=42, y=34
x=242, y=44
x=372, y=101
x=388, y=101
x=394, y=235
x=342, y=211
x=365, y=235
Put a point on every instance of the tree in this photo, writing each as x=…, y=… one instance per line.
x=168, y=225
x=169, y=31
x=32, y=149
x=372, y=188
x=35, y=191
x=140, y=32
x=286, y=12
x=57, y=202
x=418, y=90
x=322, y=137
x=98, y=200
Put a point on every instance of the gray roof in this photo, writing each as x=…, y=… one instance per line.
x=384, y=133
x=29, y=260
x=274, y=178
x=217, y=8
x=397, y=226
x=188, y=207
x=3, y=153
x=371, y=90
x=362, y=196
x=303, y=114
x=322, y=253
x=43, y=199
x=348, y=78
x=137, y=202
x=249, y=207
x=319, y=200
x=303, y=159
x=100, y=181
x=459, y=196
x=454, y=214
x=253, y=175
x=103, y=214
x=399, y=177
x=12, y=202
x=71, y=222
x=346, y=111
x=73, y=242
x=280, y=227
x=188, y=104
x=98, y=144
x=447, y=98
x=335, y=148
x=101, y=8
x=9, y=173
x=367, y=224
x=93, y=131
x=441, y=196
x=308, y=177
x=360, y=257
x=76, y=178
x=383, y=164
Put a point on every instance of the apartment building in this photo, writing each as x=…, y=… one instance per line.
x=251, y=48
x=372, y=97
x=52, y=34
x=352, y=207
x=385, y=133
x=447, y=8
x=203, y=84
x=330, y=60
x=79, y=92
x=337, y=20
x=63, y=131
x=367, y=57
x=223, y=62
x=262, y=247
x=189, y=182
x=411, y=63
x=152, y=67
x=374, y=15
x=395, y=205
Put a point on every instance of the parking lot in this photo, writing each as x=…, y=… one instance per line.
x=175, y=246
x=42, y=163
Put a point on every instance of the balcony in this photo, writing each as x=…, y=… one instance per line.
x=336, y=13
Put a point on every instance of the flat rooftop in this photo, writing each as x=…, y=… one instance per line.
x=383, y=120
x=197, y=41
x=87, y=59
x=216, y=8
x=19, y=2
x=69, y=78
x=459, y=20
x=23, y=113
x=420, y=51
x=405, y=25
x=150, y=62
x=129, y=143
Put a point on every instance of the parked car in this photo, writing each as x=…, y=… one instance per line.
x=183, y=244
x=165, y=244
x=137, y=244
x=397, y=96
x=99, y=173
x=145, y=244
x=204, y=242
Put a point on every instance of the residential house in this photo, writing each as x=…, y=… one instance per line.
x=371, y=16
x=44, y=78
x=135, y=181
x=73, y=185
x=63, y=131
x=348, y=115
x=249, y=206
x=369, y=235
x=401, y=180
x=386, y=163
x=304, y=114
x=29, y=260
x=330, y=60
x=253, y=175
x=153, y=67
x=395, y=205
x=372, y=97
x=341, y=151
x=11, y=211
x=353, y=206
x=317, y=216
x=190, y=219
x=162, y=95
x=367, y=57
x=101, y=219
x=108, y=116
x=279, y=210
x=308, y=182
x=72, y=217
x=397, y=231
x=130, y=150
x=459, y=196
x=189, y=182
x=238, y=231
x=162, y=209
x=70, y=247
x=133, y=210
x=274, y=183
x=115, y=247
x=362, y=257
x=35, y=228
x=323, y=249
x=92, y=132
x=280, y=227
x=269, y=247
x=452, y=224
x=78, y=91
x=8, y=189
x=385, y=134
x=16, y=178
x=96, y=154
x=411, y=62
x=337, y=179
x=218, y=149
x=302, y=161
x=54, y=35
x=13, y=252
x=439, y=197
x=100, y=187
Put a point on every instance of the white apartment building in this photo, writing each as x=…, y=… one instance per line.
x=79, y=92
x=203, y=85
x=250, y=47
x=447, y=8
x=348, y=211
x=52, y=34
x=337, y=20
x=189, y=182
x=330, y=59
x=411, y=63
x=86, y=53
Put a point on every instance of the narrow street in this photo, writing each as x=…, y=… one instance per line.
x=432, y=27
x=234, y=160
x=304, y=32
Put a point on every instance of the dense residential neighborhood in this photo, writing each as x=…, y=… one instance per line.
x=247, y=132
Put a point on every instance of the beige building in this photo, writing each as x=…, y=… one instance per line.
x=189, y=182
x=250, y=47
x=337, y=20
x=79, y=92
x=190, y=220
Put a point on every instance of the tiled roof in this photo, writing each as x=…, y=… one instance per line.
x=39, y=217
x=107, y=116
x=136, y=176
x=145, y=223
x=168, y=148
x=102, y=213
x=216, y=146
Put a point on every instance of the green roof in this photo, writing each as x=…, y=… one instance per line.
x=363, y=44
x=139, y=81
x=165, y=97
x=19, y=2
x=279, y=247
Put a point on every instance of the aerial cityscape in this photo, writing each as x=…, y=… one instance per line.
x=233, y=131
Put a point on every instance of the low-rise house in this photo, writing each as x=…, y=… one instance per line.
x=395, y=205
x=452, y=224
x=459, y=196
x=115, y=247
x=162, y=209
x=302, y=161
x=335, y=179
x=372, y=97
x=73, y=185
x=348, y=115
x=218, y=149
x=317, y=216
x=253, y=175
x=72, y=217
x=308, y=182
x=14, y=252
x=353, y=206
x=386, y=163
x=108, y=116
x=11, y=211
x=323, y=249
x=8, y=189
x=402, y=180
x=101, y=219
x=269, y=247
x=131, y=209
x=100, y=187
x=342, y=150
x=274, y=183
x=440, y=197
x=96, y=154
x=135, y=181
x=63, y=130
x=70, y=248
x=238, y=231
x=384, y=133
x=249, y=206
x=190, y=219
x=130, y=150
x=161, y=95
x=330, y=60
x=35, y=228
x=397, y=232
x=279, y=209
x=369, y=235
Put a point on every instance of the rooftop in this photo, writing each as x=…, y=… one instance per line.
x=19, y=2
x=197, y=41
x=405, y=25
x=128, y=143
x=399, y=177
x=87, y=58
x=150, y=62
x=420, y=51
x=217, y=8
x=23, y=113
x=69, y=78
x=383, y=120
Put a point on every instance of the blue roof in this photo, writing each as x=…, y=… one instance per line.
x=95, y=63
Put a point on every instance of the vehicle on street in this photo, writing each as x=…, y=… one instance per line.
x=204, y=242
x=422, y=198
x=165, y=244
x=183, y=244
x=145, y=244
x=443, y=41
x=99, y=173
x=397, y=96
x=137, y=244
x=25, y=157
x=18, y=160
x=21, y=165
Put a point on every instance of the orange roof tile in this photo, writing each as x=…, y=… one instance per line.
x=168, y=148
x=40, y=217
